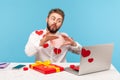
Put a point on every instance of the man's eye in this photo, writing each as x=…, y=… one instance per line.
x=59, y=21
x=52, y=18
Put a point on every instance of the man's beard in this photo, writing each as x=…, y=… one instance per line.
x=52, y=30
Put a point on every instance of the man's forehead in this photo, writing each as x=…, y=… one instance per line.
x=55, y=15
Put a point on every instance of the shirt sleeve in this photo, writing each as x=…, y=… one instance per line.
x=32, y=45
x=76, y=49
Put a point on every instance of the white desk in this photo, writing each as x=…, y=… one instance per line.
x=9, y=74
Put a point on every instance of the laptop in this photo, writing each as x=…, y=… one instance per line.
x=94, y=58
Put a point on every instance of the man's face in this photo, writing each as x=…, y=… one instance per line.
x=54, y=22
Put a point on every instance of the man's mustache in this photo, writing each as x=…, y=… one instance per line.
x=54, y=24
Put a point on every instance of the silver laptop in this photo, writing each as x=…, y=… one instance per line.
x=94, y=59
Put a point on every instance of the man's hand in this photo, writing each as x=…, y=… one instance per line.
x=48, y=36
x=68, y=41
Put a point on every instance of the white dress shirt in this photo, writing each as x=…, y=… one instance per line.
x=51, y=50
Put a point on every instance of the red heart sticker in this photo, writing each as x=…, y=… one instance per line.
x=46, y=45
x=39, y=32
x=85, y=53
x=90, y=60
x=57, y=50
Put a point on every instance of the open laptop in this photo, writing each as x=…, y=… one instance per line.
x=94, y=59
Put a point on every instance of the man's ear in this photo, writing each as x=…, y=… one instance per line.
x=46, y=20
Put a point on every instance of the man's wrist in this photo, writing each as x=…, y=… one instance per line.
x=73, y=44
x=42, y=41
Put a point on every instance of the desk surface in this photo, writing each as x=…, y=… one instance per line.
x=9, y=74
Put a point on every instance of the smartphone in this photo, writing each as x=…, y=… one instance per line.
x=19, y=66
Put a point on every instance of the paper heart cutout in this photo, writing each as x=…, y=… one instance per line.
x=57, y=50
x=90, y=60
x=85, y=53
x=74, y=67
x=46, y=45
x=39, y=32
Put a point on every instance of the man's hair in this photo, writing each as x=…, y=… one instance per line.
x=56, y=10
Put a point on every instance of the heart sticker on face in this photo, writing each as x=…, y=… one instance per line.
x=85, y=53
x=39, y=32
x=57, y=50
x=90, y=60
x=45, y=45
